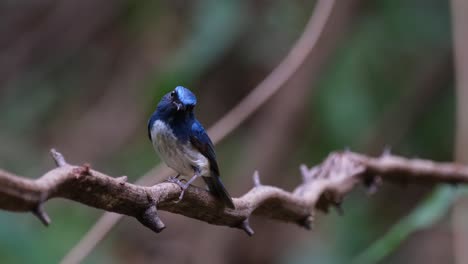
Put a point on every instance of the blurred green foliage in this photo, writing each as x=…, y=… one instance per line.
x=431, y=210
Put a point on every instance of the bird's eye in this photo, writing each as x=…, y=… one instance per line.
x=173, y=94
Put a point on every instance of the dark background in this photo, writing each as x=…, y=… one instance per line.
x=84, y=76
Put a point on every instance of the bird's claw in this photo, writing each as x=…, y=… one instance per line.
x=175, y=179
x=181, y=185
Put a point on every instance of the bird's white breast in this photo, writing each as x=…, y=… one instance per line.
x=180, y=157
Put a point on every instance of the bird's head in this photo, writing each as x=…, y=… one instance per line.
x=183, y=98
x=180, y=99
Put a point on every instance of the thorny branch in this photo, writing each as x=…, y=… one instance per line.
x=322, y=186
x=317, y=24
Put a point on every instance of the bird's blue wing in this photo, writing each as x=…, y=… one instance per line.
x=202, y=142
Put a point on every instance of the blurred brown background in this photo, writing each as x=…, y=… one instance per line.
x=84, y=76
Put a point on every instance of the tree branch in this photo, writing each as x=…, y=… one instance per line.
x=323, y=186
x=231, y=120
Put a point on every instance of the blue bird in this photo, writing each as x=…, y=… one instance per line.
x=183, y=144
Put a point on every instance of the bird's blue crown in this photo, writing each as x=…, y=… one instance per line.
x=185, y=96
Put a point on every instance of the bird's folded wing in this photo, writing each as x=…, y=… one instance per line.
x=202, y=142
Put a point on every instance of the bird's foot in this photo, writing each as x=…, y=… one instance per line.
x=175, y=179
x=182, y=185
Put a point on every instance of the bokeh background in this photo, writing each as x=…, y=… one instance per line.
x=84, y=76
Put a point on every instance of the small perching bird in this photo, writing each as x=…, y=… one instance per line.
x=183, y=144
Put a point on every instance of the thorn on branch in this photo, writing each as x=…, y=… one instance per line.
x=58, y=158
x=39, y=212
x=387, y=151
x=304, y=172
x=122, y=180
x=150, y=219
x=329, y=199
x=256, y=179
x=338, y=207
x=335, y=201
x=84, y=170
x=372, y=183
x=307, y=222
x=246, y=227
x=308, y=174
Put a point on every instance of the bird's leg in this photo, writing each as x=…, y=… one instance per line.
x=187, y=184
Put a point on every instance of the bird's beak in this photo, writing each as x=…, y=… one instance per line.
x=179, y=106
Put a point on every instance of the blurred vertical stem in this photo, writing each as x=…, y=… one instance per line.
x=460, y=42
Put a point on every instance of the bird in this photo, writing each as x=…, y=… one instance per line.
x=183, y=144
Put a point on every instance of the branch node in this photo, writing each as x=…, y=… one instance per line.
x=338, y=207
x=58, y=158
x=150, y=219
x=256, y=179
x=304, y=172
x=307, y=222
x=335, y=200
x=149, y=197
x=40, y=213
x=84, y=170
x=246, y=227
x=122, y=179
x=372, y=184
x=387, y=151
x=308, y=174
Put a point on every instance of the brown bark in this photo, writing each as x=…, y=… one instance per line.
x=323, y=186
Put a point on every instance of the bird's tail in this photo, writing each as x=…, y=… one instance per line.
x=216, y=187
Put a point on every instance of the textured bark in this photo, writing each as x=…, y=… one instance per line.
x=322, y=186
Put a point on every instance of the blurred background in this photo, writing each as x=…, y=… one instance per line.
x=84, y=76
